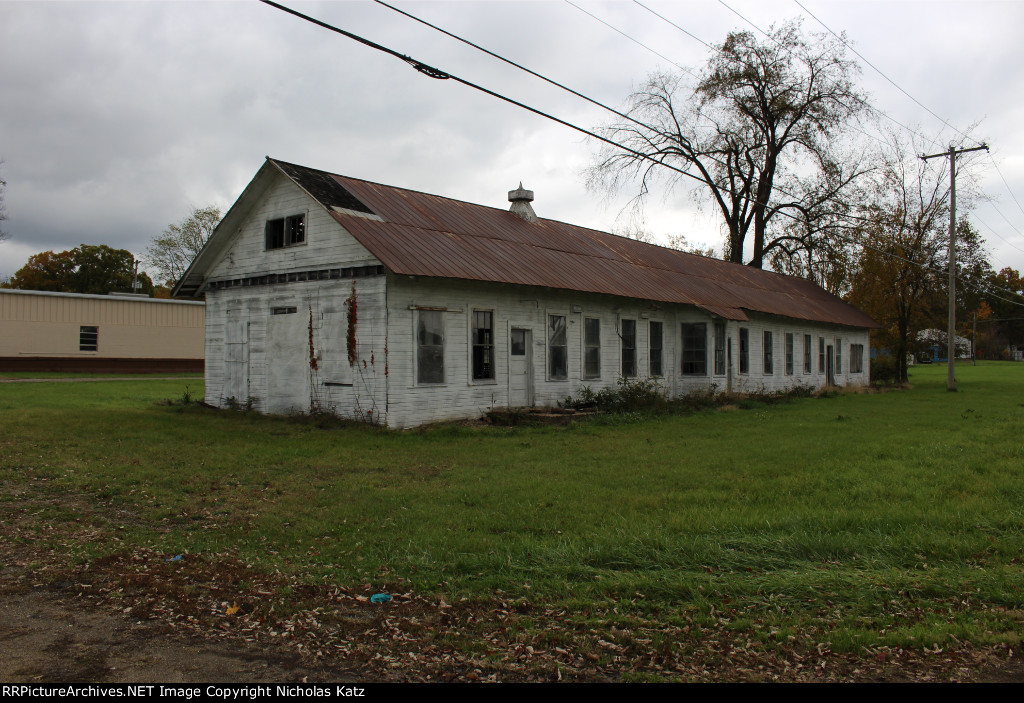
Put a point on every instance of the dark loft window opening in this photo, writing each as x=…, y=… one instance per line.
x=286, y=232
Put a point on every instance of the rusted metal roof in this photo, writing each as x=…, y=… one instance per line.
x=420, y=234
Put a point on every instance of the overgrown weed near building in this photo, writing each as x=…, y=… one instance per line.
x=646, y=397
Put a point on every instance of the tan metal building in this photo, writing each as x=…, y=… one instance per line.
x=46, y=331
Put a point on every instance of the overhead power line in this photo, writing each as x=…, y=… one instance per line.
x=632, y=39
x=439, y=74
x=443, y=75
x=883, y=75
x=1008, y=189
x=684, y=31
x=512, y=63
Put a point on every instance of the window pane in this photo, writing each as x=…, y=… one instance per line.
x=430, y=347
x=856, y=358
x=483, y=344
x=744, y=351
x=591, y=347
x=88, y=338
x=295, y=230
x=558, y=356
x=695, y=349
x=720, y=348
x=655, y=338
x=629, y=348
x=518, y=343
x=807, y=353
x=769, y=363
x=789, y=353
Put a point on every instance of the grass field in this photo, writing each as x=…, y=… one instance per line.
x=846, y=526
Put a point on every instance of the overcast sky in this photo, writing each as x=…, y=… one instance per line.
x=116, y=117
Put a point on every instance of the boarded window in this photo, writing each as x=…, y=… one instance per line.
x=591, y=347
x=719, y=348
x=807, y=353
x=430, y=346
x=558, y=352
x=286, y=232
x=790, y=353
x=695, y=349
x=744, y=350
x=88, y=338
x=856, y=358
x=655, y=338
x=483, y=344
x=628, y=348
x=769, y=361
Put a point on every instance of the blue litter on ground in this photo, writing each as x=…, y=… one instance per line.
x=177, y=558
x=380, y=598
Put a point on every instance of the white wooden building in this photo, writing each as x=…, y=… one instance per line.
x=401, y=308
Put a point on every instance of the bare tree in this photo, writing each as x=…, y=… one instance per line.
x=171, y=253
x=904, y=240
x=759, y=134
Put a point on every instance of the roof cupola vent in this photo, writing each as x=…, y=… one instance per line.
x=520, y=199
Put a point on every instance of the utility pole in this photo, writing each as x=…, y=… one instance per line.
x=951, y=346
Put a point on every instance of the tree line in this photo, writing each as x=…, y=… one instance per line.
x=100, y=269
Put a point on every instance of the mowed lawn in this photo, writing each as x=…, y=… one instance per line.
x=879, y=519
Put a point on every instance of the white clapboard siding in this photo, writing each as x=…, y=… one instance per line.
x=327, y=244
x=459, y=396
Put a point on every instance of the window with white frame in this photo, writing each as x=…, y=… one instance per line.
x=628, y=348
x=558, y=351
x=808, y=363
x=430, y=346
x=719, y=348
x=744, y=350
x=695, y=349
x=790, y=353
x=769, y=361
x=655, y=340
x=591, y=347
x=856, y=358
x=821, y=355
x=839, y=355
x=483, y=345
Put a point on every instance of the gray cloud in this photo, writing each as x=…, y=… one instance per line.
x=115, y=117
